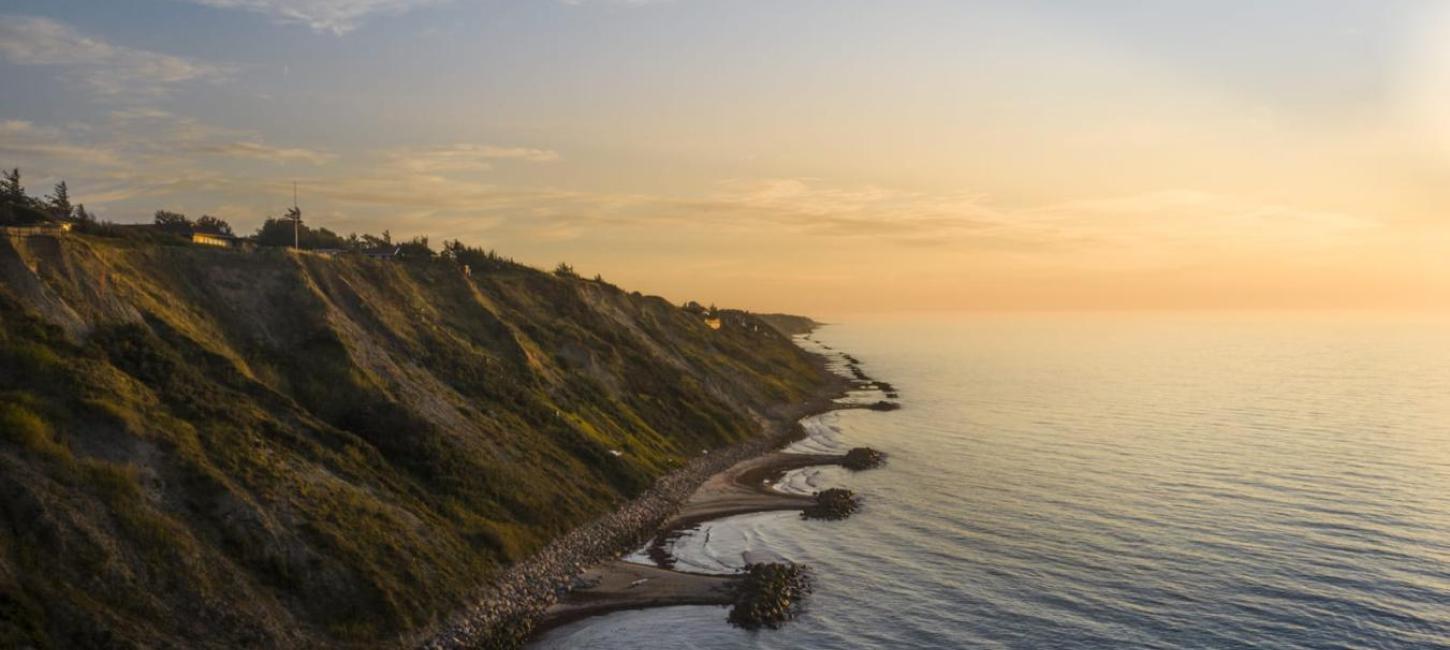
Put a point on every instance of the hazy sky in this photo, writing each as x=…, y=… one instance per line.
x=821, y=156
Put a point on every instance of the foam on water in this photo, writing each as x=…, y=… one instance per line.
x=823, y=435
x=807, y=481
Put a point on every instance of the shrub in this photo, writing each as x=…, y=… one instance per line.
x=23, y=427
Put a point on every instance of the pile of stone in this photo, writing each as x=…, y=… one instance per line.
x=503, y=616
x=862, y=458
x=769, y=594
x=833, y=504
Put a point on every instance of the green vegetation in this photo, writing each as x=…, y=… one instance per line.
x=788, y=324
x=204, y=447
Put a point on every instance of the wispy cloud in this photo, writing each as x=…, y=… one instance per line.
x=262, y=151
x=144, y=151
x=163, y=134
x=342, y=16
x=104, y=68
x=1167, y=225
x=626, y=3
x=812, y=205
x=22, y=140
x=464, y=158
x=336, y=16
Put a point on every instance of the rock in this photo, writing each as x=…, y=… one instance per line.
x=863, y=458
x=769, y=594
x=833, y=504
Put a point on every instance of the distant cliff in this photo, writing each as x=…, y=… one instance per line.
x=206, y=446
x=788, y=324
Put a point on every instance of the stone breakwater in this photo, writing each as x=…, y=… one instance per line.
x=834, y=504
x=504, y=615
x=769, y=595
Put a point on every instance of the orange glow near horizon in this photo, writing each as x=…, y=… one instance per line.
x=803, y=157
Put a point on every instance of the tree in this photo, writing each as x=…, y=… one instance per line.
x=563, y=270
x=214, y=225
x=416, y=248
x=83, y=216
x=59, y=203
x=278, y=231
x=476, y=259
x=275, y=231
x=173, y=222
x=11, y=191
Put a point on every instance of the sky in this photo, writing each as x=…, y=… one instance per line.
x=826, y=157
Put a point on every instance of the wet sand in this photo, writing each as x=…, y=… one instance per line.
x=625, y=585
x=743, y=488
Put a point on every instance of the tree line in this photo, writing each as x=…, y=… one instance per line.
x=18, y=208
x=23, y=209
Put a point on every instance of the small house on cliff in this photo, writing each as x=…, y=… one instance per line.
x=215, y=239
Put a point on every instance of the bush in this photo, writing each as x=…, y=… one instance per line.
x=23, y=427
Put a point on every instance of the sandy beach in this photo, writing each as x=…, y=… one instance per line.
x=743, y=487
x=740, y=489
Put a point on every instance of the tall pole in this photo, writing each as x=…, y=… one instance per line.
x=296, y=218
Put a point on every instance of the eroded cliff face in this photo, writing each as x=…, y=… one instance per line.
x=205, y=446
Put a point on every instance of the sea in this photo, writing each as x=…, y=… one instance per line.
x=1076, y=480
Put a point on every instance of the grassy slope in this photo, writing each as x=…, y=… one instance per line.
x=203, y=445
x=788, y=324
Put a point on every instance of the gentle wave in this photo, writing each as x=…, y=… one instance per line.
x=1143, y=483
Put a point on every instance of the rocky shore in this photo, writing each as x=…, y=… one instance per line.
x=832, y=505
x=769, y=595
x=504, y=616
x=585, y=561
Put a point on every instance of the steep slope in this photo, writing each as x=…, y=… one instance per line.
x=205, y=446
x=789, y=324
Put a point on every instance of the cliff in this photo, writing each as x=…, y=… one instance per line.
x=216, y=447
x=789, y=324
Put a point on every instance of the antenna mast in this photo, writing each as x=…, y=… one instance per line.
x=296, y=218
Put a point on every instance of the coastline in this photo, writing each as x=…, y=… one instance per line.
x=514, y=607
x=744, y=487
x=620, y=585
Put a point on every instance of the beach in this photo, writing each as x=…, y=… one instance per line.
x=746, y=487
x=580, y=575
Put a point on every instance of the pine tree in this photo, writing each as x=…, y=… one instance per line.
x=59, y=203
x=11, y=191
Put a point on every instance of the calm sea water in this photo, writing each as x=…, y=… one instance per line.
x=1075, y=481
